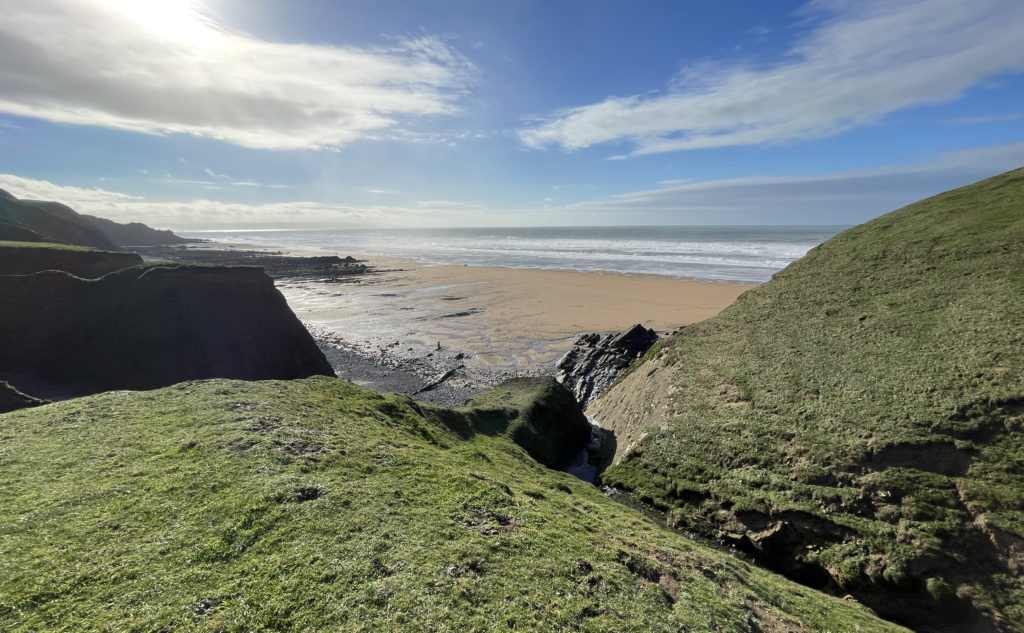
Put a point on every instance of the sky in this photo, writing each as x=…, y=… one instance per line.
x=260, y=114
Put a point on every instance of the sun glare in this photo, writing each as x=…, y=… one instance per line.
x=177, y=20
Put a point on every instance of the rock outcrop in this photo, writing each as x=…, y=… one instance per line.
x=594, y=362
x=26, y=258
x=148, y=326
x=275, y=264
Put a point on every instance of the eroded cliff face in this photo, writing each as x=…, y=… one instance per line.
x=637, y=406
x=26, y=259
x=146, y=327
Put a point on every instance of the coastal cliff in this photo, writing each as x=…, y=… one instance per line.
x=146, y=327
x=857, y=422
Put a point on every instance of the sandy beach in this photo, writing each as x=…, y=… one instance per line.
x=396, y=324
x=520, y=320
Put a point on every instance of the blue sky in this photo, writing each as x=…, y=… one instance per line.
x=232, y=114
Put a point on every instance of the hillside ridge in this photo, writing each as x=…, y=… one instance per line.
x=314, y=504
x=855, y=421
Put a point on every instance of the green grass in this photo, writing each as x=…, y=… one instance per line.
x=316, y=505
x=521, y=410
x=876, y=383
x=48, y=245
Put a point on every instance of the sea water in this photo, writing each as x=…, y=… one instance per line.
x=719, y=253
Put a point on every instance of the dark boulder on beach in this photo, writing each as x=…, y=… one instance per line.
x=146, y=327
x=594, y=362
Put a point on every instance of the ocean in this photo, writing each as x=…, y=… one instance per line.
x=718, y=253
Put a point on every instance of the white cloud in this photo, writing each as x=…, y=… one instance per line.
x=200, y=214
x=860, y=62
x=156, y=66
x=845, y=197
x=447, y=204
x=32, y=189
x=836, y=198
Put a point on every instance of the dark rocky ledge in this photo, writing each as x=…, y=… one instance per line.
x=594, y=362
x=325, y=268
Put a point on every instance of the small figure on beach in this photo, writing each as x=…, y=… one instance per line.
x=439, y=345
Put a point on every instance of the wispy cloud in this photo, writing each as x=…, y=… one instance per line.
x=224, y=179
x=32, y=189
x=995, y=118
x=448, y=204
x=160, y=68
x=833, y=198
x=861, y=61
x=203, y=213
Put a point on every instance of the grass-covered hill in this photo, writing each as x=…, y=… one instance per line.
x=135, y=233
x=858, y=422
x=316, y=505
x=41, y=221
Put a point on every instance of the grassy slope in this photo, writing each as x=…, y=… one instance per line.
x=46, y=245
x=522, y=408
x=317, y=505
x=20, y=219
x=877, y=383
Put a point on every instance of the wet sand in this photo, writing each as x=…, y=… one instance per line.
x=442, y=333
x=517, y=319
